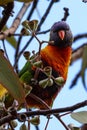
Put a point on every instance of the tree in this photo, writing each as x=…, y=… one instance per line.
x=14, y=36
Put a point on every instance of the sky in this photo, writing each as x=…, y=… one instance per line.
x=78, y=23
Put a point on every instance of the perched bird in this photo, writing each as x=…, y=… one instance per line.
x=57, y=56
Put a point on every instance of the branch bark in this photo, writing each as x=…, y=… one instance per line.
x=16, y=22
x=46, y=112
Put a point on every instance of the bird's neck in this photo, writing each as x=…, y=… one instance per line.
x=57, y=58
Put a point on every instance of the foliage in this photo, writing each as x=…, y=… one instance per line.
x=9, y=80
x=4, y=2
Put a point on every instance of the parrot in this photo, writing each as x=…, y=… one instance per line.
x=57, y=56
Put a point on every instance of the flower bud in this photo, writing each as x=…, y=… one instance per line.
x=43, y=83
x=14, y=123
x=48, y=70
x=26, y=55
x=50, y=82
x=35, y=120
x=38, y=64
x=25, y=32
x=59, y=81
x=23, y=127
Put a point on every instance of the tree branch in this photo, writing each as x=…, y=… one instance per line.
x=79, y=36
x=16, y=22
x=46, y=112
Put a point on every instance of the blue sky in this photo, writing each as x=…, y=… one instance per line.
x=78, y=23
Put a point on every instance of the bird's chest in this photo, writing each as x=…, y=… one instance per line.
x=58, y=59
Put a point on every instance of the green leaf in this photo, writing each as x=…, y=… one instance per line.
x=26, y=73
x=12, y=41
x=24, y=0
x=10, y=80
x=4, y=2
x=27, y=67
x=26, y=77
x=80, y=116
x=84, y=66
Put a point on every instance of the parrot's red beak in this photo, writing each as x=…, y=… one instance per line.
x=61, y=34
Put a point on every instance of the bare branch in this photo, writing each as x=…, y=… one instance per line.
x=46, y=112
x=16, y=22
x=66, y=14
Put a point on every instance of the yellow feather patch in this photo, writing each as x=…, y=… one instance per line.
x=3, y=91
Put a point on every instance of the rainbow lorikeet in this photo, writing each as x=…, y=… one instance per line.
x=57, y=56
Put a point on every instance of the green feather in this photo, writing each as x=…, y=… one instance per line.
x=26, y=77
x=26, y=73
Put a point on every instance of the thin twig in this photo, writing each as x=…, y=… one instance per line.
x=45, y=14
x=47, y=123
x=75, y=80
x=34, y=5
x=62, y=123
x=16, y=55
x=65, y=114
x=66, y=14
x=40, y=43
x=43, y=32
x=36, y=127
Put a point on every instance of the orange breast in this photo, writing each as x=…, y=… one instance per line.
x=57, y=58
